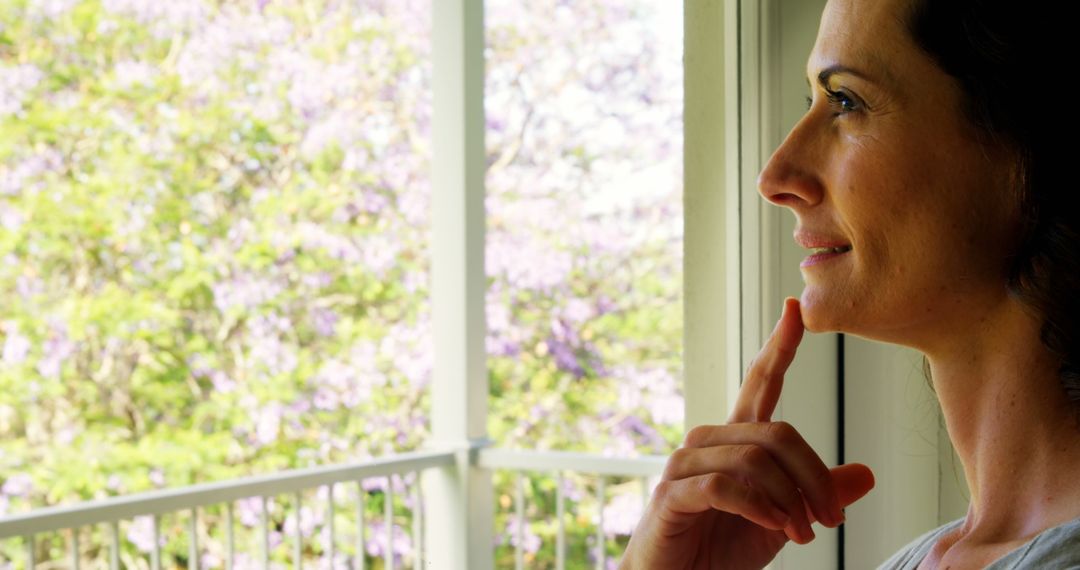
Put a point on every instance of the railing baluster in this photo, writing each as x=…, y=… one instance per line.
x=230, y=543
x=601, y=553
x=113, y=517
x=75, y=549
x=519, y=513
x=388, y=556
x=298, y=548
x=418, y=539
x=265, y=533
x=361, y=547
x=114, y=554
x=330, y=522
x=155, y=555
x=193, y=542
x=560, y=510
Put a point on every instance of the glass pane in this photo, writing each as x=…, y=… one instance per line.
x=584, y=250
x=213, y=244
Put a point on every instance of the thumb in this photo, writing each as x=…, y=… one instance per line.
x=852, y=481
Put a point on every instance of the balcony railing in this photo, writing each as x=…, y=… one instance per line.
x=111, y=512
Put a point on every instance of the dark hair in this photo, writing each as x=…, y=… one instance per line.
x=1006, y=56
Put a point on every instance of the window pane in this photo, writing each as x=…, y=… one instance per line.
x=584, y=244
x=213, y=242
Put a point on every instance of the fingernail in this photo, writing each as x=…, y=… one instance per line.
x=783, y=311
x=779, y=517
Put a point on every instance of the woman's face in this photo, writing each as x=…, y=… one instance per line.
x=891, y=168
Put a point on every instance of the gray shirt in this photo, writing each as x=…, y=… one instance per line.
x=1054, y=548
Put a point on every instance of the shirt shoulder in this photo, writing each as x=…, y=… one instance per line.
x=1057, y=548
x=909, y=557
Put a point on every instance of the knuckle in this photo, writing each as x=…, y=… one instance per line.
x=793, y=500
x=746, y=494
x=782, y=432
x=714, y=487
x=822, y=477
x=697, y=436
x=661, y=491
x=753, y=456
x=675, y=464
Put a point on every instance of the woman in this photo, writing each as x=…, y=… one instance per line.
x=925, y=162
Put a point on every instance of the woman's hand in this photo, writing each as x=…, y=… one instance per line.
x=734, y=494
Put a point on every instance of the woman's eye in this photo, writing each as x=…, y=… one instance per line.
x=840, y=99
x=836, y=98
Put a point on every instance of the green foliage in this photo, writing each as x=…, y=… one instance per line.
x=214, y=256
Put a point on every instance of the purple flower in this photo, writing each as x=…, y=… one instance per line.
x=128, y=73
x=578, y=311
x=380, y=254
x=629, y=395
x=266, y=346
x=565, y=357
x=16, y=82
x=316, y=280
x=401, y=545
x=527, y=263
x=667, y=409
x=308, y=521
x=141, y=534
x=621, y=514
x=16, y=346
x=115, y=483
x=571, y=491
x=634, y=427
x=11, y=218
x=268, y=424
x=372, y=484
x=323, y=320
x=530, y=542
x=21, y=178
x=222, y=382
x=415, y=281
x=244, y=292
x=55, y=350
x=498, y=346
x=249, y=510
x=18, y=485
x=212, y=560
x=49, y=9
x=315, y=237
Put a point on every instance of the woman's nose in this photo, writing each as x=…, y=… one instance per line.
x=791, y=177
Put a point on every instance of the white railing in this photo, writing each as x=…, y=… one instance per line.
x=559, y=462
x=157, y=503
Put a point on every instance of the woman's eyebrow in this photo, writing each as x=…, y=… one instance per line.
x=824, y=75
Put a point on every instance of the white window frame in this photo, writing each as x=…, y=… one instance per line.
x=744, y=85
x=890, y=419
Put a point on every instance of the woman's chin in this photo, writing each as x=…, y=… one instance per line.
x=818, y=315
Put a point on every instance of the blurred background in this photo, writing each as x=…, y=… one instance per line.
x=214, y=261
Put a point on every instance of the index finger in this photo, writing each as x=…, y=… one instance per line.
x=764, y=380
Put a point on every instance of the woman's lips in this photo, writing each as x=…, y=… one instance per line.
x=822, y=258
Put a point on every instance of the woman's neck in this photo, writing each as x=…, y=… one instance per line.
x=1011, y=424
